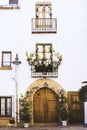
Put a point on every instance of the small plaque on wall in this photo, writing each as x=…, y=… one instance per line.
x=13, y=1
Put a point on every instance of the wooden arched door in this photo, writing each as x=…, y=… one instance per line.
x=45, y=106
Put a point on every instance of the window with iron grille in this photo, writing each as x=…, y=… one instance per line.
x=43, y=21
x=5, y=106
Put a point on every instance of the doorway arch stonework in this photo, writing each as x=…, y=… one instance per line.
x=39, y=85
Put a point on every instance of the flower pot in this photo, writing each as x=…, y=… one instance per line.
x=64, y=123
x=26, y=125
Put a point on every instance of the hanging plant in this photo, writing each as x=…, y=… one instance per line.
x=30, y=56
x=59, y=56
x=44, y=63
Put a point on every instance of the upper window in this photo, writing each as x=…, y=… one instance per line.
x=44, y=58
x=44, y=52
x=6, y=58
x=6, y=106
x=43, y=21
x=43, y=10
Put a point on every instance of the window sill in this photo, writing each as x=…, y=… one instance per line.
x=9, y=7
x=5, y=68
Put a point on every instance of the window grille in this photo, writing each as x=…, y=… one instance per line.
x=5, y=106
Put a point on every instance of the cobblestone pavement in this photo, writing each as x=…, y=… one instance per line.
x=80, y=127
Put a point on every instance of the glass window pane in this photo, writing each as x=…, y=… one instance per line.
x=40, y=48
x=40, y=55
x=47, y=48
x=6, y=59
x=48, y=55
x=2, y=106
x=8, y=106
x=43, y=51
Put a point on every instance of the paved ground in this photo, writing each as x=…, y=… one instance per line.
x=80, y=127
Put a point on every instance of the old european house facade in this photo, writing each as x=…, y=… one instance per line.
x=49, y=38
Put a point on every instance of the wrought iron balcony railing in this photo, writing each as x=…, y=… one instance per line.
x=46, y=66
x=50, y=70
x=44, y=25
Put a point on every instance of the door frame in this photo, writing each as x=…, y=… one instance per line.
x=38, y=84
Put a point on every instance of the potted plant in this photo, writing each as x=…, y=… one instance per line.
x=42, y=64
x=25, y=115
x=64, y=116
x=62, y=108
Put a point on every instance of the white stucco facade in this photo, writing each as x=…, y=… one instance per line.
x=70, y=41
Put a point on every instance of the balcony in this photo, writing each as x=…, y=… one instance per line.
x=44, y=25
x=43, y=70
x=44, y=67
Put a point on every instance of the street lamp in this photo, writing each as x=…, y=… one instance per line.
x=16, y=62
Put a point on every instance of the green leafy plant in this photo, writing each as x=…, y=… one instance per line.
x=25, y=113
x=63, y=113
x=83, y=92
x=62, y=106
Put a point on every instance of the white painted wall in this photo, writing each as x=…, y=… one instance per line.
x=70, y=41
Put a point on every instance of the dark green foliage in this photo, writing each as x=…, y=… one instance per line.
x=83, y=93
x=43, y=68
x=64, y=113
x=62, y=106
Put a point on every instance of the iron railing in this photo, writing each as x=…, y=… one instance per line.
x=44, y=25
x=52, y=72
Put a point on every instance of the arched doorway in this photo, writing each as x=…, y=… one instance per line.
x=43, y=94
x=45, y=103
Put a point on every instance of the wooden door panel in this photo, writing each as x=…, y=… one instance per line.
x=52, y=108
x=45, y=106
x=39, y=107
x=75, y=107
